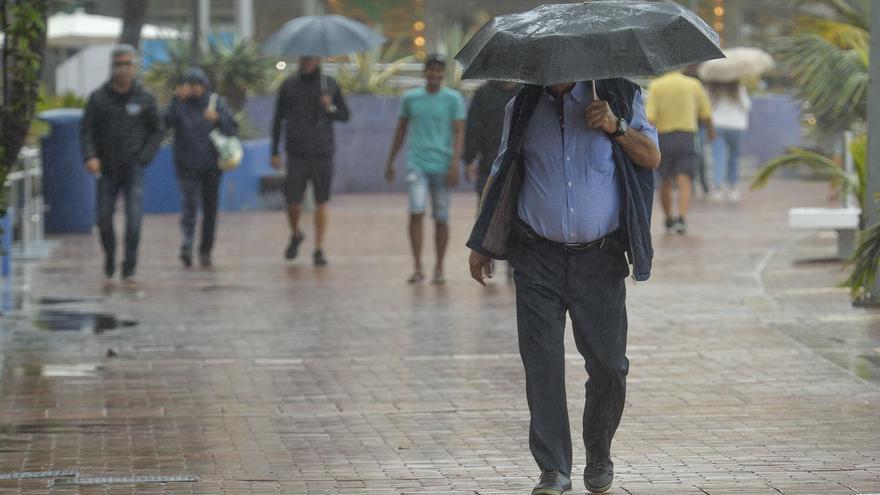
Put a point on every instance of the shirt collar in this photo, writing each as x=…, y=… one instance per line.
x=581, y=92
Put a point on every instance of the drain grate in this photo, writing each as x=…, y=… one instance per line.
x=23, y=475
x=124, y=480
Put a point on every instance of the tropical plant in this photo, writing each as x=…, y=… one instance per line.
x=371, y=72
x=236, y=68
x=23, y=24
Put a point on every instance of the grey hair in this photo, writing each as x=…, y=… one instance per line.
x=123, y=49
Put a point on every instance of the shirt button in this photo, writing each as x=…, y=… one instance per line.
x=571, y=210
x=569, y=183
x=568, y=158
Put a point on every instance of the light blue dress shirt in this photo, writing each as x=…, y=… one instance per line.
x=571, y=193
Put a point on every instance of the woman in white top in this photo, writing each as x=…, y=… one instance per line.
x=731, y=105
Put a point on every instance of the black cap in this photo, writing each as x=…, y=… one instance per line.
x=435, y=59
x=195, y=75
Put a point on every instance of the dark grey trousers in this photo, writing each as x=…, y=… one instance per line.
x=591, y=288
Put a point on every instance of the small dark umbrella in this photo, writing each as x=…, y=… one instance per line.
x=322, y=36
x=562, y=43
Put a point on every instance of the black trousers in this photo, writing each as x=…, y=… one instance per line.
x=590, y=287
x=201, y=186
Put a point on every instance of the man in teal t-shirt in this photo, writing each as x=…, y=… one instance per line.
x=435, y=116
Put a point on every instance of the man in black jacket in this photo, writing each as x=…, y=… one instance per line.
x=308, y=103
x=195, y=159
x=483, y=134
x=121, y=133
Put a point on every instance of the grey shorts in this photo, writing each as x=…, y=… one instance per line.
x=678, y=154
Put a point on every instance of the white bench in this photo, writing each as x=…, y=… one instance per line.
x=844, y=220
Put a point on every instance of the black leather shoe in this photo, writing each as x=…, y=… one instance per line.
x=293, y=248
x=552, y=483
x=599, y=475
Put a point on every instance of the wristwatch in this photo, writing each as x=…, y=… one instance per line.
x=622, y=127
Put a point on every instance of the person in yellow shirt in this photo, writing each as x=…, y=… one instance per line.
x=677, y=105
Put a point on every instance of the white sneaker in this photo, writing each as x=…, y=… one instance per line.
x=733, y=195
x=716, y=196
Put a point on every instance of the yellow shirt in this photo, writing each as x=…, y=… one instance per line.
x=677, y=102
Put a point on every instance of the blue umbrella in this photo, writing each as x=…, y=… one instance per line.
x=322, y=36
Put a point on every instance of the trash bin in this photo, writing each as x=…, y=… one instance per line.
x=68, y=190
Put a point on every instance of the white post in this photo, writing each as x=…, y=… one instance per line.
x=204, y=23
x=244, y=16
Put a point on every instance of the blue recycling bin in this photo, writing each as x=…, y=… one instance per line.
x=68, y=190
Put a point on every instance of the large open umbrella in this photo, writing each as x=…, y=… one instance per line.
x=561, y=43
x=741, y=62
x=322, y=36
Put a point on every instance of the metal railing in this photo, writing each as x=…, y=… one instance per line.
x=24, y=186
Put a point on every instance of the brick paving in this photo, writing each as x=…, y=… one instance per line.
x=750, y=371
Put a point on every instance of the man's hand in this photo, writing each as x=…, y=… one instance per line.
x=93, y=165
x=327, y=103
x=481, y=267
x=452, y=177
x=276, y=162
x=600, y=116
x=389, y=173
x=211, y=115
x=181, y=91
x=471, y=172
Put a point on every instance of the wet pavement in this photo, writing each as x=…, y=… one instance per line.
x=750, y=371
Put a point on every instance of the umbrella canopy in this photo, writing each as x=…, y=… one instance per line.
x=80, y=29
x=555, y=44
x=740, y=62
x=322, y=36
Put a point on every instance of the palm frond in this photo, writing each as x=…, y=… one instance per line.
x=833, y=81
x=851, y=11
x=799, y=157
x=865, y=262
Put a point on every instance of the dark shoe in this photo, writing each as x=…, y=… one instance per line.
x=127, y=272
x=598, y=476
x=205, y=260
x=109, y=267
x=416, y=278
x=186, y=257
x=293, y=248
x=670, y=224
x=681, y=227
x=320, y=260
x=552, y=483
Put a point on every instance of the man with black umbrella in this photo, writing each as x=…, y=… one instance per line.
x=309, y=102
x=567, y=250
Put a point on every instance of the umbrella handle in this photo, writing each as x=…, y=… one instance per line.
x=595, y=93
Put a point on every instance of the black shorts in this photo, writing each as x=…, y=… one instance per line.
x=301, y=170
x=678, y=154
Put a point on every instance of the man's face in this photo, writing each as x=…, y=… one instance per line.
x=123, y=70
x=196, y=90
x=308, y=65
x=434, y=74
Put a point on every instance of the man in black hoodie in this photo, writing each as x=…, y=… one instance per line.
x=483, y=131
x=308, y=102
x=195, y=159
x=120, y=134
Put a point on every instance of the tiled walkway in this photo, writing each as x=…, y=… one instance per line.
x=265, y=377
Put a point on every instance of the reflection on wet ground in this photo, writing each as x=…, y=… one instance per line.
x=53, y=320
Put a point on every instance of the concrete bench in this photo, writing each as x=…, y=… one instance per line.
x=844, y=220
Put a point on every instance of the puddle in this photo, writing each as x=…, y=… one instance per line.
x=72, y=321
x=59, y=370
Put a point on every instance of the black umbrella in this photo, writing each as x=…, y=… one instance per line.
x=561, y=43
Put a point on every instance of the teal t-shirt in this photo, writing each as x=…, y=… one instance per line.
x=430, y=136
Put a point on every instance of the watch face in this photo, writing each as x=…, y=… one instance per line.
x=623, y=126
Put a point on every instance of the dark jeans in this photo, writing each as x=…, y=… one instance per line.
x=131, y=187
x=204, y=185
x=591, y=288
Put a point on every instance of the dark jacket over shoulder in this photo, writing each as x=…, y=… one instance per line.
x=308, y=126
x=193, y=150
x=492, y=231
x=123, y=130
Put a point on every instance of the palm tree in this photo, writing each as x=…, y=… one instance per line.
x=828, y=61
